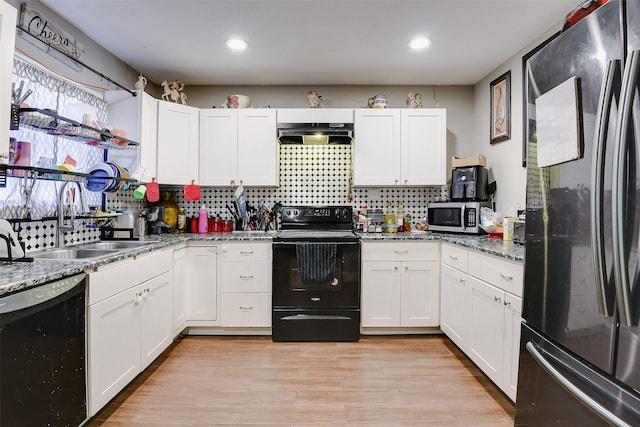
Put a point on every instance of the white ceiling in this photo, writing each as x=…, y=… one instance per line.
x=314, y=41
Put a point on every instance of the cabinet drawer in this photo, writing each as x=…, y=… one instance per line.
x=246, y=252
x=455, y=257
x=400, y=251
x=117, y=277
x=507, y=275
x=245, y=309
x=245, y=276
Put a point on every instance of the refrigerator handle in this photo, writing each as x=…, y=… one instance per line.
x=618, y=184
x=572, y=389
x=597, y=184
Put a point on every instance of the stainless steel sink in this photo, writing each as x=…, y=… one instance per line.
x=116, y=244
x=72, y=253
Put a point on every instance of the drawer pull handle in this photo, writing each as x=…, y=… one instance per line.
x=246, y=252
x=401, y=252
x=508, y=303
x=246, y=308
x=454, y=258
x=507, y=278
x=246, y=277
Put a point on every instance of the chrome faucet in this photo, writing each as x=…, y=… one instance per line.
x=63, y=225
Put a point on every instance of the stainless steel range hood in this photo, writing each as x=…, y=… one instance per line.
x=315, y=133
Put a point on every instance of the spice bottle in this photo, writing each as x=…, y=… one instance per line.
x=182, y=221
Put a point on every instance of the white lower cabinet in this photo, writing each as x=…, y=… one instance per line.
x=481, y=311
x=245, y=281
x=400, y=284
x=202, y=288
x=129, y=322
x=453, y=310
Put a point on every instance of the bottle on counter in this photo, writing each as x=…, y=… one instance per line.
x=400, y=217
x=407, y=222
x=170, y=210
x=390, y=219
x=203, y=220
x=182, y=221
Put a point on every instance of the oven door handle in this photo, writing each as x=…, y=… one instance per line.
x=276, y=244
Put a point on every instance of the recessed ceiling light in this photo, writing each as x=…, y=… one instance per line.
x=237, y=44
x=418, y=43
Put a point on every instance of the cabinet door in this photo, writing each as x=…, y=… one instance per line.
x=376, y=147
x=114, y=346
x=202, y=292
x=257, y=147
x=156, y=317
x=423, y=146
x=380, y=294
x=178, y=135
x=420, y=296
x=8, y=19
x=148, y=136
x=454, y=293
x=486, y=328
x=512, y=321
x=179, y=290
x=218, y=146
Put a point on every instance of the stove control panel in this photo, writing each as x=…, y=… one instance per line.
x=316, y=214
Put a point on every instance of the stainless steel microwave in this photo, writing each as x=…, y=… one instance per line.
x=455, y=217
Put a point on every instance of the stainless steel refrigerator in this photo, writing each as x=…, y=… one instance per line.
x=580, y=345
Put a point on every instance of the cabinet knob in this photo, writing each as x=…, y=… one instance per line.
x=498, y=299
x=406, y=268
x=395, y=268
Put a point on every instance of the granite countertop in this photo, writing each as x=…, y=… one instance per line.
x=498, y=247
x=15, y=276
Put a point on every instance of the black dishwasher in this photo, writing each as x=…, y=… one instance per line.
x=42, y=362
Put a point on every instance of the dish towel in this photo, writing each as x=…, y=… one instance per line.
x=316, y=263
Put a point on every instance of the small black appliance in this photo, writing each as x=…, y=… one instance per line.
x=470, y=183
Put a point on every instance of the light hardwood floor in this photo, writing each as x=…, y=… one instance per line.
x=242, y=381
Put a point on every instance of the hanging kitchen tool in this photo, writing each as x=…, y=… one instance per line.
x=241, y=201
x=153, y=191
x=192, y=192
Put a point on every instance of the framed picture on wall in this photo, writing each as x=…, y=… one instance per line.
x=500, y=108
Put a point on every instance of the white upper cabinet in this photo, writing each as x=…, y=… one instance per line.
x=238, y=145
x=178, y=135
x=8, y=16
x=400, y=147
x=138, y=115
x=376, y=147
x=218, y=146
x=423, y=146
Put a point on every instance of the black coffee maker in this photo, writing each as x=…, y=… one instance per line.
x=470, y=183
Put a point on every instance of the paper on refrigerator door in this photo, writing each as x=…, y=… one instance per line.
x=558, y=124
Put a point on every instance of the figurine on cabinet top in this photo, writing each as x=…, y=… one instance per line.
x=414, y=101
x=173, y=91
x=314, y=98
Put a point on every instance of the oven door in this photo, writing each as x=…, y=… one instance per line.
x=295, y=286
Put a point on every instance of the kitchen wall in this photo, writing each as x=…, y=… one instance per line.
x=95, y=55
x=505, y=158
